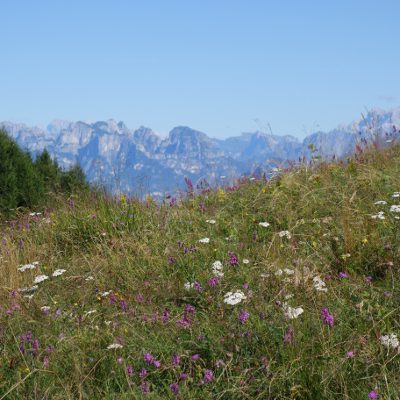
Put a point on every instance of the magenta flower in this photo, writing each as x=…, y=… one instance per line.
x=343, y=275
x=373, y=394
x=327, y=317
x=213, y=281
x=197, y=286
x=157, y=363
x=350, y=354
x=243, y=316
x=176, y=359
x=208, y=377
x=129, y=370
x=148, y=358
x=174, y=388
x=195, y=357
x=145, y=387
x=143, y=373
x=289, y=335
x=233, y=260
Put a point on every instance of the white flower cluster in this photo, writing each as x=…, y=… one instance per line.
x=264, y=224
x=205, y=240
x=40, y=278
x=115, y=346
x=285, y=233
x=390, y=340
x=23, y=268
x=292, y=312
x=380, y=215
x=211, y=221
x=380, y=203
x=287, y=271
x=395, y=195
x=188, y=285
x=58, y=272
x=395, y=208
x=319, y=284
x=217, y=268
x=233, y=298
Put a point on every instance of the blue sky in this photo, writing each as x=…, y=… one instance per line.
x=220, y=66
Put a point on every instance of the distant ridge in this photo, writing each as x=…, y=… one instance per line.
x=139, y=161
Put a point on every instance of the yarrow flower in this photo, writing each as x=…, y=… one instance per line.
x=285, y=234
x=58, y=272
x=395, y=208
x=319, y=284
x=115, y=346
x=25, y=267
x=380, y=203
x=396, y=194
x=233, y=298
x=211, y=221
x=292, y=313
x=264, y=224
x=217, y=268
x=380, y=215
x=327, y=317
x=40, y=278
x=390, y=340
x=204, y=240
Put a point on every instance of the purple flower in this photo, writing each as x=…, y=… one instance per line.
x=145, y=386
x=197, y=286
x=148, y=358
x=289, y=334
x=176, y=359
x=165, y=316
x=233, y=260
x=190, y=309
x=350, y=354
x=343, y=275
x=208, y=376
x=124, y=305
x=213, y=281
x=174, y=388
x=373, y=394
x=243, y=316
x=368, y=279
x=46, y=362
x=183, y=376
x=195, y=357
x=129, y=370
x=157, y=363
x=143, y=373
x=327, y=317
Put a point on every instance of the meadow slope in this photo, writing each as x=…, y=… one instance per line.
x=286, y=289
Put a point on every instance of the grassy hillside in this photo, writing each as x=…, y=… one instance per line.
x=140, y=308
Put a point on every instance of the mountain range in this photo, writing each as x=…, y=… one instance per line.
x=139, y=161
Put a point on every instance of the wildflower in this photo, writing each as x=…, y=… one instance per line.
x=183, y=376
x=233, y=260
x=58, y=272
x=343, y=275
x=165, y=316
x=350, y=354
x=288, y=271
x=243, y=316
x=188, y=285
x=157, y=363
x=233, y=298
x=285, y=234
x=40, y=278
x=373, y=394
x=89, y=278
x=143, y=373
x=28, y=290
x=176, y=359
x=319, y=284
x=327, y=317
x=129, y=370
x=390, y=340
x=174, y=388
x=46, y=362
x=213, y=281
x=289, y=334
x=211, y=221
x=245, y=261
x=217, y=268
x=114, y=346
x=197, y=286
x=264, y=224
x=25, y=267
x=292, y=313
x=195, y=357
x=145, y=387
x=204, y=240
x=380, y=215
x=395, y=195
x=45, y=310
x=148, y=358
x=395, y=208
x=380, y=203
x=208, y=377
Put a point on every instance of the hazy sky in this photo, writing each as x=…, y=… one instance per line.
x=219, y=66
